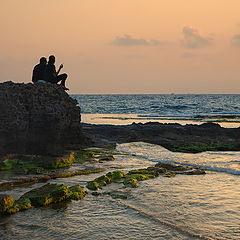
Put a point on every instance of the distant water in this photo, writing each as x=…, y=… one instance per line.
x=161, y=105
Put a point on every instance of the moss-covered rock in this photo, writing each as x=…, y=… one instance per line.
x=47, y=194
x=201, y=147
x=131, y=182
x=7, y=164
x=92, y=155
x=23, y=203
x=71, y=174
x=43, y=196
x=116, y=175
x=83, y=156
x=169, y=174
x=92, y=185
x=6, y=203
x=96, y=193
x=78, y=192
x=60, y=162
x=107, y=158
x=102, y=181
x=147, y=172
x=105, y=179
x=34, y=163
x=98, y=182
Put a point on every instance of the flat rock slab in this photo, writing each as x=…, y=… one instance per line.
x=176, y=168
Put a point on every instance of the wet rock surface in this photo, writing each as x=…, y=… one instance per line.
x=177, y=169
x=39, y=197
x=37, y=119
x=175, y=137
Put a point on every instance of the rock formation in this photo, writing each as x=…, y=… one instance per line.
x=175, y=137
x=37, y=119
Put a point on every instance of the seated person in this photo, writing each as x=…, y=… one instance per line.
x=52, y=76
x=38, y=71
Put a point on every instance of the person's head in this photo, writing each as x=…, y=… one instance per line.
x=43, y=60
x=51, y=59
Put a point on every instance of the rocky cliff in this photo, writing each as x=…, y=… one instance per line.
x=37, y=119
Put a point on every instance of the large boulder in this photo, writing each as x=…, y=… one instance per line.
x=37, y=119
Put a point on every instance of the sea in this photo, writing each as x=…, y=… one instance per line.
x=124, y=109
x=182, y=207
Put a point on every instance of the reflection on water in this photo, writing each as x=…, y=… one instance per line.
x=183, y=207
x=124, y=119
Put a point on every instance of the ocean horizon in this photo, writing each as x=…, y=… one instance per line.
x=122, y=109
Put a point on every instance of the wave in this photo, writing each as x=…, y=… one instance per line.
x=203, y=166
x=160, y=104
x=181, y=230
x=224, y=162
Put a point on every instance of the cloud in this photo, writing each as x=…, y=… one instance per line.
x=127, y=40
x=193, y=39
x=236, y=40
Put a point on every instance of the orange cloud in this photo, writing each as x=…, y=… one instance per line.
x=193, y=39
x=127, y=40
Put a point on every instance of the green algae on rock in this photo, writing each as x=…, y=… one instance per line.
x=93, y=155
x=117, y=195
x=130, y=179
x=105, y=179
x=96, y=193
x=201, y=147
x=60, y=162
x=23, y=203
x=92, y=185
x=8, y=164
x=47, y=194
x=78, y=193
x=21, y=182
x=71, y=174
x=131, y=182
x=6, y=203
x=34, y=163
x=42, y=196
x=116, y=175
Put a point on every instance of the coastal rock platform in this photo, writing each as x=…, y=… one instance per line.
x=175, y=137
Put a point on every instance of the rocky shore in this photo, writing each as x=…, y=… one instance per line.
x=41, y=137
x=175, y=137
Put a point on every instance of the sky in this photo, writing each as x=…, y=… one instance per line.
x=125, y=46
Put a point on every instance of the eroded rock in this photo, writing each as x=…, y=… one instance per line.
x=37, y=119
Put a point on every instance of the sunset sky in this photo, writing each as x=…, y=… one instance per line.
x=125, y=46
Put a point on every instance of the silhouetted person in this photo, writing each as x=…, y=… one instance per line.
x=52, y=76
x=39, y=69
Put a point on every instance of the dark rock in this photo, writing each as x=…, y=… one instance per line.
x=175, y=137
x=178, y=169
x=37, y=119
x=96, y=194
